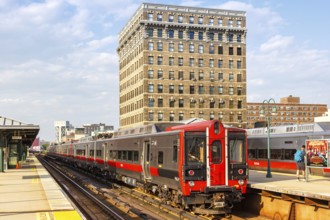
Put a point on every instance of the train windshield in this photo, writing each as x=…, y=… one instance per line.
x=195, y=147
x=237, y=150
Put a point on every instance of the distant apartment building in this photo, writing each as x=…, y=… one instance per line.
x=178, y=62
x=289, y=111
x=93, y=129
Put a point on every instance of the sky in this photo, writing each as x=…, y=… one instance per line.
x=58, y=58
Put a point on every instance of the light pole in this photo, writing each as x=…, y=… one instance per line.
x=268, y=109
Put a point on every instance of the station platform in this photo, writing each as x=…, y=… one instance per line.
x=317, y=187
x=30, y=193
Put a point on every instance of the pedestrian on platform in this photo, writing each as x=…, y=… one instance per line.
x=299, y=157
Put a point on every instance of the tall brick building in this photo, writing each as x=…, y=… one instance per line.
x=180, y=62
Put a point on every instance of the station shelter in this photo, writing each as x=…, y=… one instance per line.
x=15, y=139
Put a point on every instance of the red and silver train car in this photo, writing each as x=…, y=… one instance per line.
x=284, y=141
x=200, y=166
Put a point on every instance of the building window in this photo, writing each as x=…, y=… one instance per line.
x=150, y=46
x=150, y=60
x=191, y=61
x=220, y=89
x=220, y=22
x=171, y=89
x=180, y=34
x=239, y=64
x=231, y=103
x=150, y=17
x=171, y=33
x=171, y=117
x=211, y=90
x=220, y=63
x=191, y=89
x=211, y=75
x=180, y=61
x=150, y=74
x=180, y=19
x=230, y=64
x=160, y=60
x=181, y=103
x=151, y=116
x=151, y=102
x=151, y=88
x=191, y=19
x=171, y=103
x=160, y=116
x=180, y=47
x=220, y=76
x=239, y=104
x=211, y=50
x=200, y=75
x=171, y=74
x=159, y=17
x=239, y=38
x=238, y=23
x=171, y=47
x=230, y=37
x=159, y=32
x=239, y=51
x=222, y=104
x=231, y=90
x=231, y=51
x=211, y=21
x=191, y=35
x=211, y=63
x=160, y=88
x=200, y=35
x=171, y=61
x=220, y=49
x=160, y=74
x=150, y=32
x=170, y=18
x=230, y=23
x=200, y=20
x=159, y=46
x=200, y=62
x=160, y=102
x=219, y=37
x=239, y=77
x=239, y=91
x=200, y=89
x=191, y=75
x=192, y=104
x=191, y=48
x=180, y=75
x=200, y=49
x=181, y=90
x=211, y=36
x=231, y=77
x=180, y=116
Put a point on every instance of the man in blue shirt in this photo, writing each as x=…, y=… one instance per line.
x=301, y=164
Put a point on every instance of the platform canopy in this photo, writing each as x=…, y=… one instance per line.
x=17, y=130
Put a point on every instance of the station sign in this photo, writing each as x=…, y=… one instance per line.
x=317, y=153
x=16, y=137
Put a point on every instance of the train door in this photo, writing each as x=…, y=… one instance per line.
x=146, y=159
x=216, y=168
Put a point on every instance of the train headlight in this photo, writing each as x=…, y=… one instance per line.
x=191, y=183
x=240, y=171
x=191, y=172
x=241, y=182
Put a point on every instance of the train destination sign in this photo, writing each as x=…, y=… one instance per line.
x=317, y=153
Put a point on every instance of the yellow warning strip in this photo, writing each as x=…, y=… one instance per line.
x=67, y=215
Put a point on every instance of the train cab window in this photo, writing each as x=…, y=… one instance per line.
x=175, y=153
x=237, y=149
x=160, y=157
x=216, y=152
x=195, y=149
x=130, y=155
x=91, y=153
x=135, y=156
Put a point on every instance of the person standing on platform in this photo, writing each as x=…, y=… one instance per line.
x=299, y=157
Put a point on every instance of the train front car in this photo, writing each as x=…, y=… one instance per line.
x=213, y=169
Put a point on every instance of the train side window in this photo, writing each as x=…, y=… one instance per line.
x=160, y=157
x=130, y=155
x=98, y=153
x=262, y=153
x=136, y=156
x=91, y=153
x=110, y=154
x=276, y=154
x=124, y=155
x=252, y=153
x=216, y=152
x=288, y=154
x=119, y=154
x=175, y=153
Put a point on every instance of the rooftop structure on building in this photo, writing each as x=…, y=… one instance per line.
x=179, y=62
x=289, y=111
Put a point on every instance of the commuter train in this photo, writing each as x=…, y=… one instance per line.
x=284, y=141
x=200, y=166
